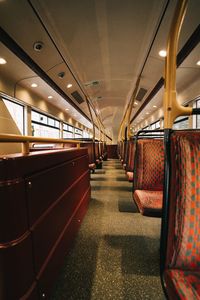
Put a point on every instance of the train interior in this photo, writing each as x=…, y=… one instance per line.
x=99, y=149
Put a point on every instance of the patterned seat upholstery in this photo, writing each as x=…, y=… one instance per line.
x=183, y=284
x=149, y=202
x=182, y=266
x=149, y=177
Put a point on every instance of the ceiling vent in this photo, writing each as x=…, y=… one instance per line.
x=92, y=83
x=140, y=94
x=77, y=97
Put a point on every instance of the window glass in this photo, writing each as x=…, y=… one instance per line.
x=68, y=135
x=44, y=126
x=17, y=112
x=51, y=122
x=198, y=116
x=45, y=131
x=181, y=123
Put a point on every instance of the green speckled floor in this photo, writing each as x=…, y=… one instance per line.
x=116, y=253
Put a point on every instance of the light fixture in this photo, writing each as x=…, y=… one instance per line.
x=2, y=61
x=135, y=103
x=198, y=63
x=66, y=108
x=154, y=106
x=50, y=97
x=69, y=85
x=162, y=53
x=34, y=85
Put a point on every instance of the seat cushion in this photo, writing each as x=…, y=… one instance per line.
x=182, y=284
x=92, y=166
x=129, y=176
x=149, y=202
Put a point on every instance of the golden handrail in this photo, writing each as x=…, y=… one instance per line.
x=172, y=108
x=129, y=134
x=25, y=140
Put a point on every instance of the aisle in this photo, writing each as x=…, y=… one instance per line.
x=116, y=254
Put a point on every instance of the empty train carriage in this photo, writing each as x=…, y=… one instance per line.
x=99, y=149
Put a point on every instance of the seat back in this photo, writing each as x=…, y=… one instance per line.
x=183, y=242
x=149, y=165
x=131, y=155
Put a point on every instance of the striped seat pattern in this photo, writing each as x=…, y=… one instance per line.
x=183, y=250
x=148, y=184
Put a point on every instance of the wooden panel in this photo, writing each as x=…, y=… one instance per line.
x=112, y=151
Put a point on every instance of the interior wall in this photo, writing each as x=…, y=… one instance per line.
x=8, y=126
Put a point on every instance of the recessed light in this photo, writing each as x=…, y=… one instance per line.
x=198, y=63
x=34, y=85
x=154, y=106
x=162, y=53
x=135, y=103
x=69, y=85
x=2, y=61
x=66, y=108
x=50, y=97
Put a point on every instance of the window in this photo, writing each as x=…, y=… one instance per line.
x=181, y=123
x=198, y=116
x=17, y=112
x=78, y=133
x=86, y=135
x=44, y=126
x=68, y=131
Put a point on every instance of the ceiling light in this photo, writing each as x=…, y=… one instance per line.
x=66, y=108
x=163, y=53
x=34, y=85
x=69, y=85
x=154, y=106
x=50, y=97
x=147, y=113
x=2, y=61
x=135, y=103
x=198, y=63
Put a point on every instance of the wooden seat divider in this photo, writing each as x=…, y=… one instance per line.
x=44, y=196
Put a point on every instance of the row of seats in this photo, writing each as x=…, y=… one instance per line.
x=180, y=207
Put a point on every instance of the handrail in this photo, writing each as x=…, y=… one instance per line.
x=25, y=140
x=172, y=108
x=129, y=134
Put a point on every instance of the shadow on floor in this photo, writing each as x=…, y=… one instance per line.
x=140, y=254
x=112, y=188
x=77, y=275
x=127, y=205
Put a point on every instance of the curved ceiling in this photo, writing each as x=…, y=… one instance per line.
x=100, y=46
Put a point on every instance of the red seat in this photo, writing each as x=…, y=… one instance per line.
x=148, y=177
x=181, y=272
x=149, y=202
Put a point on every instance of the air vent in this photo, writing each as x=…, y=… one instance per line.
x=92, y=83
x=140, y=94
x=77, y=97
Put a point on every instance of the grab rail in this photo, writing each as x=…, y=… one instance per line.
x=25, y=140
x=172, y=108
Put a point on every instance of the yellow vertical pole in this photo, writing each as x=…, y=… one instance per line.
x=172, y=109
